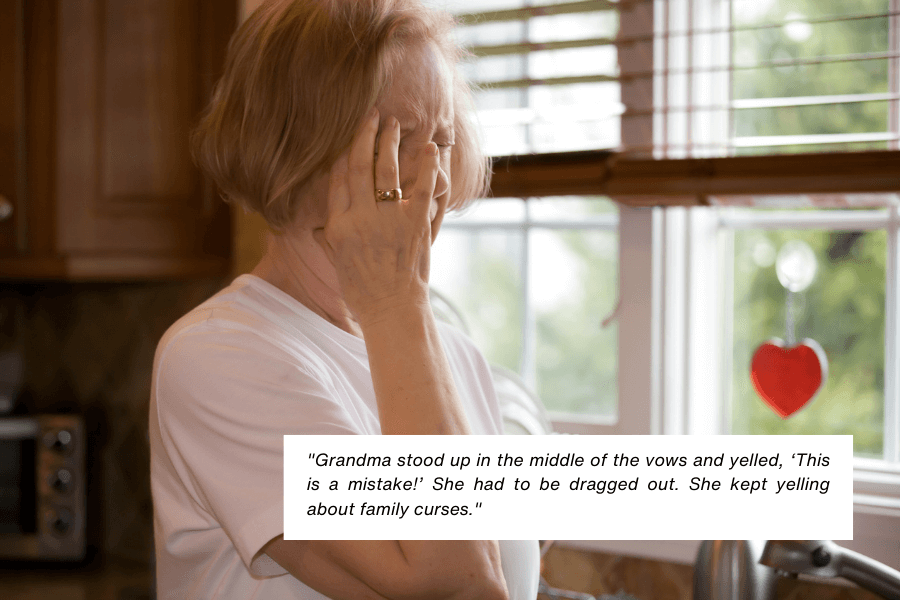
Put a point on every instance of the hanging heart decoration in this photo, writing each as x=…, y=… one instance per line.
x=788, y=378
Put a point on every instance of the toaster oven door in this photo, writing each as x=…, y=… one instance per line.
x=18, y=488
x=42, y=488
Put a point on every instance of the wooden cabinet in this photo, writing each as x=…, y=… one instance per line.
x=97, y=99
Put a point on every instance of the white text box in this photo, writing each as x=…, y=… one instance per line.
x=568, y=487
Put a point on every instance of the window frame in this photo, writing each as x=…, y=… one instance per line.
x=607, y=223
x=693, y=313
x=672, y=301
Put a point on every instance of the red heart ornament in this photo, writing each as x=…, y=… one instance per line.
x=788, y=378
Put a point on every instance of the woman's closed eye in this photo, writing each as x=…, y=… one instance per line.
x=444, y=144
x=443, y=137
x=412, y=147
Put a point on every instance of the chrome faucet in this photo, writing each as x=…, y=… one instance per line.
x=730, y=570
x=748, y=569
x=823, y=558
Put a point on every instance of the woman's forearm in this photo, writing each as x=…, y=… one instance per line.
x=390, y=570
x=416, y=395
x=413, y=384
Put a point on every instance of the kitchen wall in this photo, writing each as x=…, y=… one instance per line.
x=89, y=348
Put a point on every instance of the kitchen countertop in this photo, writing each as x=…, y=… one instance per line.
x=109, y=582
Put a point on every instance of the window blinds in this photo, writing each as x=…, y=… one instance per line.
x=728, y=85
x=728, y=77
x=547, y=73
x=762, y=77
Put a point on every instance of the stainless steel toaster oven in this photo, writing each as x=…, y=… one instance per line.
x=42, y=488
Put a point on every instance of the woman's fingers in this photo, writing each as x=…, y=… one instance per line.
x=360, y=174
x=422, y=196
x=387, y=170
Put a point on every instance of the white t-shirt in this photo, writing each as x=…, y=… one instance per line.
x=230, y=379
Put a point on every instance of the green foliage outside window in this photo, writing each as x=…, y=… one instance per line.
x=843, y=310
x=844, y=307
x=803, y=40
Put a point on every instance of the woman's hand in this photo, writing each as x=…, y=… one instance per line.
x=380, y=250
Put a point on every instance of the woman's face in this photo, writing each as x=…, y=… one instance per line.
x=421, y=98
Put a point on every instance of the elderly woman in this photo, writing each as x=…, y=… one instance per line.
x=344, y=123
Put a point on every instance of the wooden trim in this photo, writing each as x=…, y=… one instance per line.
x=38, y=223
x=112, y=268
x=12, y=106
x=690, y=182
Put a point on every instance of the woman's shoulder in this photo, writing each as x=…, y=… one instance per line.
x=242, y=316
x=232, y=309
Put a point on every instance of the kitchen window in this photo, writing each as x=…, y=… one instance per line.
x=748, y=87
x=535, y=276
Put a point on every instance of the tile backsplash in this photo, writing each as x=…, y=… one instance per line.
x=88, y=348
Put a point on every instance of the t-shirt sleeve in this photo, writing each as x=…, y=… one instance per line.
x=225, y=401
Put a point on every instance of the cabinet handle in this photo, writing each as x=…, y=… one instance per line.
x=6, y=208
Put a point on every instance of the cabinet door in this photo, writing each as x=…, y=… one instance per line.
x=133, y=78
x=12, y=124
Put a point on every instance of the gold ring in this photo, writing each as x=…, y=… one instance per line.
x=388, y=195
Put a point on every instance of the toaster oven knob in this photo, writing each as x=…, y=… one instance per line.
x=61, y=520
x=61, y=440
x=61, y=481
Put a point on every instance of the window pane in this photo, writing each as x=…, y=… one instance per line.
x=815, y=52
x=492, y=33
x=479, y=271
x=843, y=310
x=603, y=24
x=849, y=117
x=550, y=118
x=576, y=115
x=600, y=60
x=493, y=210
x=495, y=68
x=756, y=12
x=550, y=333
x=570, y=208
x=573, y=281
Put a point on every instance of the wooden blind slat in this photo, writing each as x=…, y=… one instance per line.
x=526, y=47
x=520, y=14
